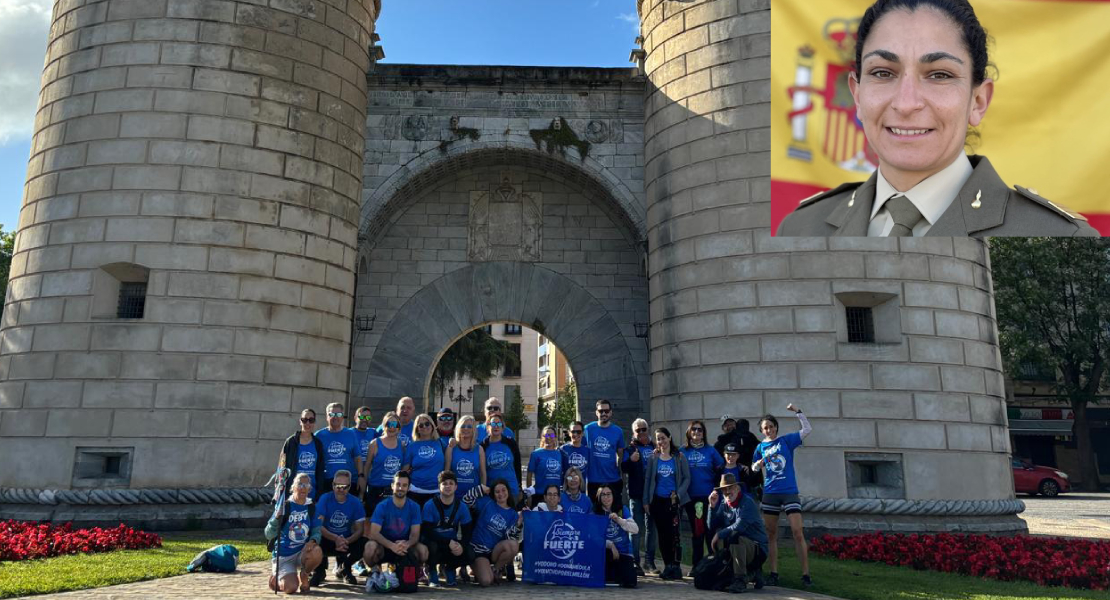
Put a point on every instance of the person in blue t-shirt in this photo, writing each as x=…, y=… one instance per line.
x=302, y=452
x=733, y=466
x=405, y=413
x=705, y=463
x=385, y=458
x=497, y=529
x=365, y=433
x=493, y=407
x=576, y=451
x=575, y=499
x=502, y=457
x=395, y=528
x=295, y=535
x=344, y=530
x=619, y=566
x=637, y=455
x=605, y=441
x=465, y=458
x=545, y=466
x=445, y=521
x=425, y=458
x=341, y=447
x=775, y=457
x=666, y=489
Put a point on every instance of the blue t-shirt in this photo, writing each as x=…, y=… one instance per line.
x=385, y=465
x=665, y=478
x=778, y=463
x=445, y=528
x=340, y=451
x=306, y=462
x=734, y=470
x=364, y=436
x=546, y=467
x=297, y=529
x=405, y=434
x=499, y=465
x=583, y=505
x=467, y=468
x=577, y=457
x=492, y=525
x=426, y=458
x=604, y=444
x=704, y=464
x=482, y=434
x=340, y=519
x=396, y=522
x=620, y=538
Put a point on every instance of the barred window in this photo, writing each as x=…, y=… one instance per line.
x=861, y=325
x=132, y=300
x=511, y=329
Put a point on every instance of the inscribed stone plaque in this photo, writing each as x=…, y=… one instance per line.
x=505, y=224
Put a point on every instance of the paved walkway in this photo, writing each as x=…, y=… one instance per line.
x=1082, y=514
x=250, y=582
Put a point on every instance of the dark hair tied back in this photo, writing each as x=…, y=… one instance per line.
x=958, y=11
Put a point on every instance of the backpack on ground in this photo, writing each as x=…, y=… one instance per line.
x=217, y=559
x=714, y=572
x=408, y=574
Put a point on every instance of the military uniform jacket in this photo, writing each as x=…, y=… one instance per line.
x=984, y=207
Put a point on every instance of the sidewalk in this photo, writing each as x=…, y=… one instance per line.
x=250, y=582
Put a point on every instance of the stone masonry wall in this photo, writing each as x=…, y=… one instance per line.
x=217, y=145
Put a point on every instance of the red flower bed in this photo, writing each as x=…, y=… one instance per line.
x=1073, y=563
x=20, y=540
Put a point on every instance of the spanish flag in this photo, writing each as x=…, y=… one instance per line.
x=1048, y=125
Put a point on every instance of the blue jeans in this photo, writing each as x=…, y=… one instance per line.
x=642, y=522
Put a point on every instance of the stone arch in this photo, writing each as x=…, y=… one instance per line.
x=404, y=186
x=539, y=298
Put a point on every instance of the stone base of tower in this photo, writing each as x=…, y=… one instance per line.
x=164, y=517
x=853, y=524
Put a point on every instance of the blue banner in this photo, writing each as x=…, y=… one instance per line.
x=564, y=548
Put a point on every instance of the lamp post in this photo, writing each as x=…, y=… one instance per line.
x=469, y=395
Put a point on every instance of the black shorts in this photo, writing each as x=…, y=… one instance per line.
x=391, y=557
x=773, y=504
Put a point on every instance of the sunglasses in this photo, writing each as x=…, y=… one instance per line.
x=446, y=418
x=693, y=429
x=308, y=419
x=493, y=409
x=364, y=417
x=576, y=432
x=335, y=415
x=641, y=430
x=604, y=411
x=341, y=486
x=393, y=424
x=424, y=424
x=304, y=485
x=495, y=424
x=467, y=426
x=549, y=436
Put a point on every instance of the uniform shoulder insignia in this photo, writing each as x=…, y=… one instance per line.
x=829, y=193
x=1032, y=194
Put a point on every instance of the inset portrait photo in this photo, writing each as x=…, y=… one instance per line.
x=895, y=118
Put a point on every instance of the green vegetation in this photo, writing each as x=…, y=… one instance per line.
x=552, y=139
x=7, y=249
x=514, y=412
x=560, y=413
x=460, y=133
x=84, y=571
x=476, y=355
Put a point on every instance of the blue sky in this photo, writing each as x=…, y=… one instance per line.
x=590, y=33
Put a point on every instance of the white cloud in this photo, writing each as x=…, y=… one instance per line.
x=23, y=30
x=632, y=19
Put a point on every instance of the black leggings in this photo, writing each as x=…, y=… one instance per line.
x=664, y=513
x=621, y=570
x=698, y=528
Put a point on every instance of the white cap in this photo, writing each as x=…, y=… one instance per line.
x=726, y=417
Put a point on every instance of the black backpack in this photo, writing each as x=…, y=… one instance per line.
x=714, y=572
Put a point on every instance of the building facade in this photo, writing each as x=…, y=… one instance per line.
x=272, y=196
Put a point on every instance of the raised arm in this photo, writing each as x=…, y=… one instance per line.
x=806, y=429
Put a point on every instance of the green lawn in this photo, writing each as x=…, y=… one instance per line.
x=75, y=572
x=854, y=580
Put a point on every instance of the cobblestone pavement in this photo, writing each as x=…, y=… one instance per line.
x=1082, y=514
x=250, y=582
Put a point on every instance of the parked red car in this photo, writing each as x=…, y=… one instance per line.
x=1034, y=479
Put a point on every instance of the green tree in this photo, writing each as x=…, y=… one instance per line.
x=7, y=249
x=560, y=413
x=1052, y=297
x=514, y=415
x=477, y=355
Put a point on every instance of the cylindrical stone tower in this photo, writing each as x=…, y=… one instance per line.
x=184, y=267
x=889, y=345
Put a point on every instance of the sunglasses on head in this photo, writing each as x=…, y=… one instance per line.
x=335, y=415
x=308, y=419
x=446, y=418
x=393, y=424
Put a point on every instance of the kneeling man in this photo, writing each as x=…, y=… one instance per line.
x=444, y=518
x=737, y=524
x=344, y=530
x=395, y=528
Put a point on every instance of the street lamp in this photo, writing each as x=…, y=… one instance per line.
x=469, y=395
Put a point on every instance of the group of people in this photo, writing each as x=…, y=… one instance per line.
x=448, y=492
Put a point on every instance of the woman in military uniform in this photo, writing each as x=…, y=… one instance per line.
x=919, y=83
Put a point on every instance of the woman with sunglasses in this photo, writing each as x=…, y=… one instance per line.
x=574, y=498
x=465, y=458
x=496, y=537
x=576, y=452
x=545, y=466
x=619, y=566
x=665, y=491
x=705, y=464
x=386, y=457
x=425, y=456
x=303, y=452
x=502, y=455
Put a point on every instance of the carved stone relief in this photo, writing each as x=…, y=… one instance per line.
x=505, y=224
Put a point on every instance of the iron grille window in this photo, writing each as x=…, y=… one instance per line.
x=511, y=329
x=861, y=326
x=132, y=300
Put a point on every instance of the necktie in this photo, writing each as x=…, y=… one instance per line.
x=905, y=216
